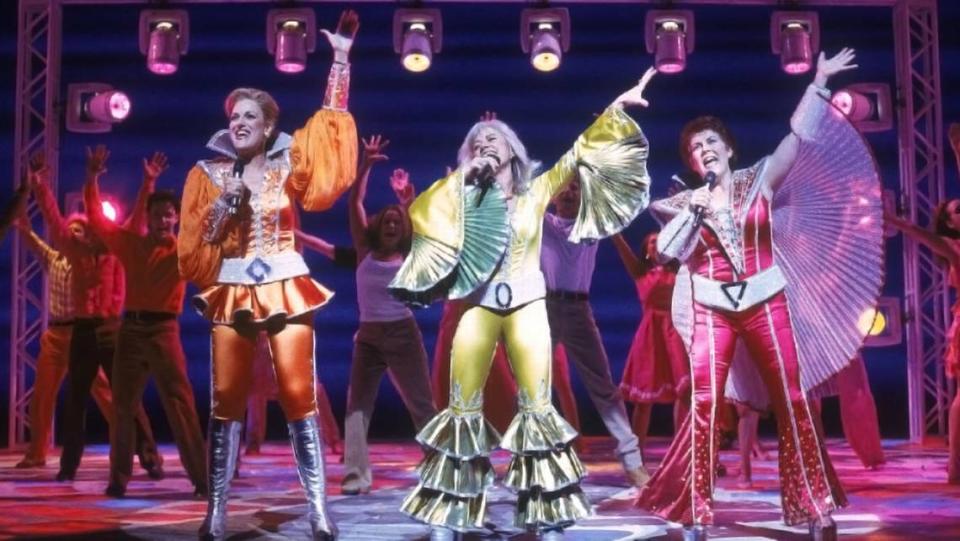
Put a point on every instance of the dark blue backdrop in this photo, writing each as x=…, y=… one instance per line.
x=732, y=73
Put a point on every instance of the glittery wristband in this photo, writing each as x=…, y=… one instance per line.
x=338, y=87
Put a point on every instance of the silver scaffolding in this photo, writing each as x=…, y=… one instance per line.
x=921, y=180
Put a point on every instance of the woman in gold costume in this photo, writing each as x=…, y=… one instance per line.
x=477, y=237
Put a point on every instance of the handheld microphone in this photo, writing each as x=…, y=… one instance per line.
x=235, y=200
x=486, y=177
x=710, y=179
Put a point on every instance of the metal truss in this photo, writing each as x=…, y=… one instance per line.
x=36, y=130
x=927, y=300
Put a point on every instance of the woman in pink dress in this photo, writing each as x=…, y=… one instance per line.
x=657, y=369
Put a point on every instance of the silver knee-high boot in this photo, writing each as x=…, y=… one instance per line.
x=224, y=440
x=308, y=450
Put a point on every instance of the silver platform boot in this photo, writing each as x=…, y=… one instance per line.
x=308, y=450
x=222, y=447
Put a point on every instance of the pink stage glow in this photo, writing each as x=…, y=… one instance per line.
x=854, y=105
x=111, y=106
x=163, y=56
x=291, y=53
x=109, y=210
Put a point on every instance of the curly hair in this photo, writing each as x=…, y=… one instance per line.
x=699, y=124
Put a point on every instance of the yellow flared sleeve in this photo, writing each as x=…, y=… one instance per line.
x=610, y=158
x=199, y=260
x=456, y=245
x=324, y=159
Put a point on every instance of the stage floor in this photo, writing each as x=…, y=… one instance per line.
x=906, y=499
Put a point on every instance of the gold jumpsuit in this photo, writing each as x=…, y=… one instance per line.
x=487, y=252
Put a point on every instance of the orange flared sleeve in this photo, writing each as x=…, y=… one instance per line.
x=324, y=158
x=199, y=260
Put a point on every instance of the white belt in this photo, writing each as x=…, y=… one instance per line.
x=741, y=295
x=510, y=293
x=262, y=269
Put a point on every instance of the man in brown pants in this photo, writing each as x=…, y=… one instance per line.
x=149, y=342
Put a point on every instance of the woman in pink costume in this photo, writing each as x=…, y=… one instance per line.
x=821, y=189
x=657, y=369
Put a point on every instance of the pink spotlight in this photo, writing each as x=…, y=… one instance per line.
x=291, y=51
x=796, y=56
x=109, y=210
x=669, y=35
x=854, y=105
x=164, y=36
x=671, y=55
x=112, y=106
x=163, y=55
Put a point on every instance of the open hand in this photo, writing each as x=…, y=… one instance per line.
x=634, y=96
x=487, y=116
x=155, y=166
x=402, y=188
x=842, y=61
x=342, y=39
x=37, y=170
x=97, y=161
x=373, y=150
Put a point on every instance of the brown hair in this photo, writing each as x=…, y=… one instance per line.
x=271, y=111
x=376, y=224
x=698, y=125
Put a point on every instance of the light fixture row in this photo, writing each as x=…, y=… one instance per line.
x=417, y=35
x=291, y=34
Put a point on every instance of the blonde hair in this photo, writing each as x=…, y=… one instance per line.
x=521, y=165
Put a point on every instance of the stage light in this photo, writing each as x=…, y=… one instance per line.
x=795, y=36
x=291, y=36
x=882, y=325
x=545, y=34
x=95, y=107
x=866, y=105
x=163, y=38
x=669, y=36
x=417, y=34
x=109, y=211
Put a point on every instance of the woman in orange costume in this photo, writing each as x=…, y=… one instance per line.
x=237, y=245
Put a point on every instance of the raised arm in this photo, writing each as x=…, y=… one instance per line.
x=35, y=244
x=324, y=151
x=372, y=154
x=152, y=169
x=110, y=233
x=780, y=162
x=635, y=267
x=39, y=178
x=931, y=240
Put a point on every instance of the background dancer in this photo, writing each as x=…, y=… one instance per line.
x=97, y=290
x=657, y=369
x=568, y=270
x=149, y=338
x=388, y=339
